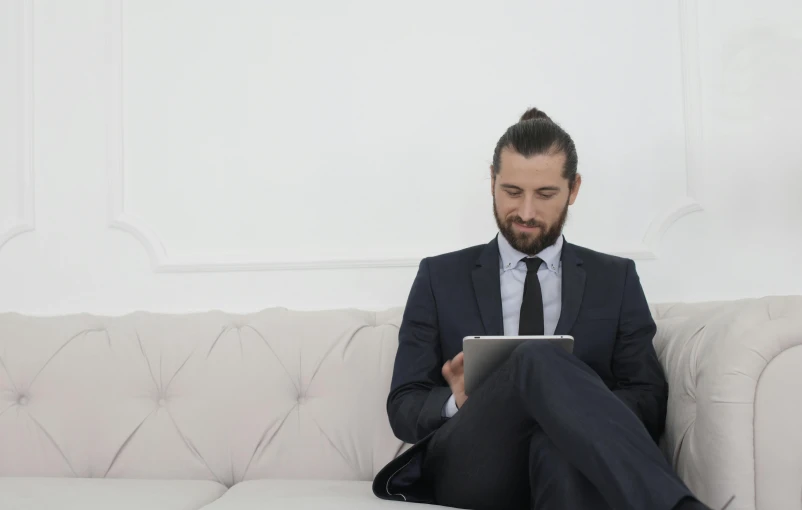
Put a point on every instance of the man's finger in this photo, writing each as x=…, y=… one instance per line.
x=447, y=371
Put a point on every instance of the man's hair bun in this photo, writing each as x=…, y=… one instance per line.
x=534, y=113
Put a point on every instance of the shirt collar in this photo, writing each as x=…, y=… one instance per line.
x=510, y=256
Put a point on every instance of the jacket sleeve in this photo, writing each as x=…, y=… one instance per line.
x=418, y=390
x=641, y=382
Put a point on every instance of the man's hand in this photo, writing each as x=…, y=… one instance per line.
x=454, y=373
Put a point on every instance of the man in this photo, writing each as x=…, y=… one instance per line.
x=548, y=429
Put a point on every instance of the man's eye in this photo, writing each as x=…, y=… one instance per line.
x=513, y=193
x=547, y=195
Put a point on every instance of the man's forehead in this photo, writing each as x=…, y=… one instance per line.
x=547, y=165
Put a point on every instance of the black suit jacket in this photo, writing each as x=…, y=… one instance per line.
x=459, y=294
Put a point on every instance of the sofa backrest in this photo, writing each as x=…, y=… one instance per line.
x=213, y=396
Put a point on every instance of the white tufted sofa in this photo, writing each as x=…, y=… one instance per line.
x=284, y=409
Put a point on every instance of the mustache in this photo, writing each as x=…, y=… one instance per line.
x=530, y=223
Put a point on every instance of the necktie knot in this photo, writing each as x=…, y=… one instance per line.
x=532, y=263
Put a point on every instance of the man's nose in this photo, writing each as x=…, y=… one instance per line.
x=527, y=209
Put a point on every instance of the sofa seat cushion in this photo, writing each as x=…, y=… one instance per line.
x=106, y=493
x=304, y=495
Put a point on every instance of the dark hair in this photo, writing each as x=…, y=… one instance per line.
x=535, y=134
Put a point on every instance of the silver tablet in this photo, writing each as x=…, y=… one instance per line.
x=483, y=354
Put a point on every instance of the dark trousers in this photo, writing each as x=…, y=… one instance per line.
x=544, y=432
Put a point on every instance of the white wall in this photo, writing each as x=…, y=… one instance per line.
x=185, y=155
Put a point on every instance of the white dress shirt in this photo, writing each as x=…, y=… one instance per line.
x=512, y=274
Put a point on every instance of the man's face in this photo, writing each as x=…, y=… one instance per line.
x=531, y=199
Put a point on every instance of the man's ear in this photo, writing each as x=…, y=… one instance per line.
x=492, y=180
x=575, y=189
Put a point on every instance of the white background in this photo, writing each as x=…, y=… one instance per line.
x=191, y=155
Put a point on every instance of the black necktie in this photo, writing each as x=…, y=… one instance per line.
x=530, y=321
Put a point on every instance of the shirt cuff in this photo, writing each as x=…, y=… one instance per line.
x=450, y=407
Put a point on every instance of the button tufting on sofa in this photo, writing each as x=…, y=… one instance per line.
x=302, y=396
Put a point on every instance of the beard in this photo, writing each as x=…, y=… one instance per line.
x=534, y=243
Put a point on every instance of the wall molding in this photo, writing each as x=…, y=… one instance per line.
x=694, y=127
x=25, y=219
x=694, y=136
x=162, y=262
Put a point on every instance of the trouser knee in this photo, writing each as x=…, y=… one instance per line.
x=535, y=351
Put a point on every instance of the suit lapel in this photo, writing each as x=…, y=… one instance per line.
x=573, y=287
x=487, y=288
